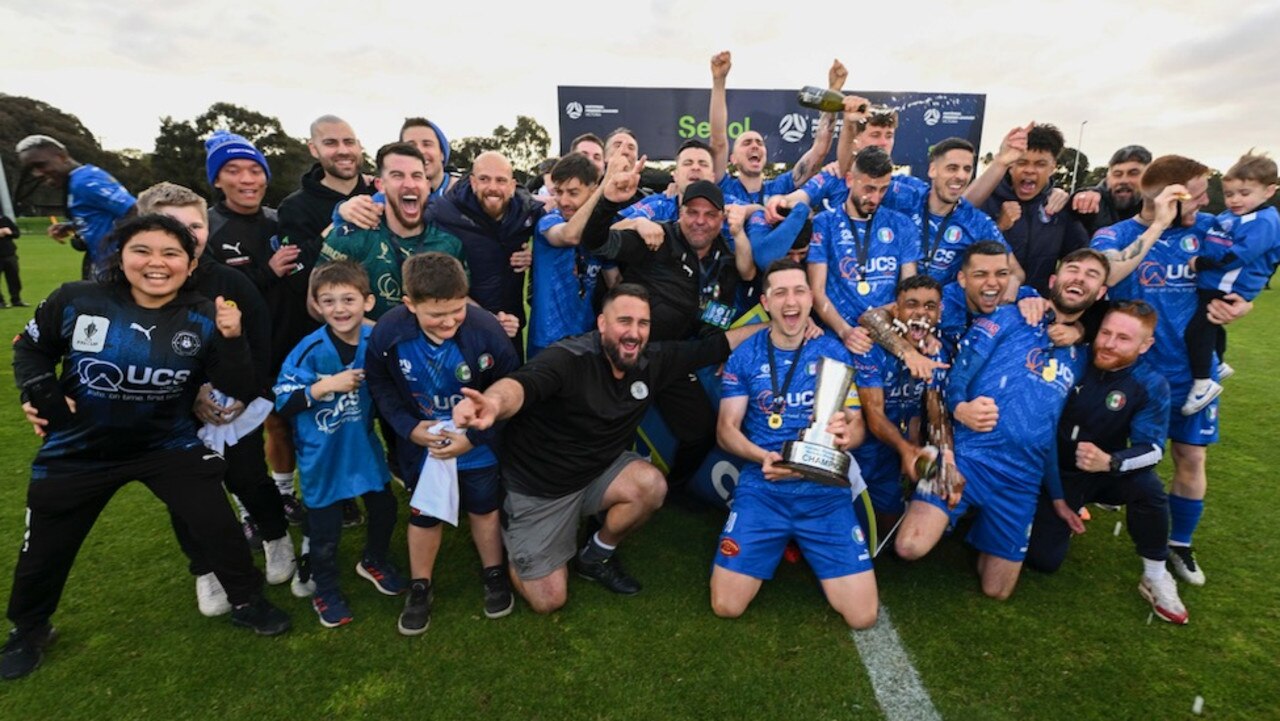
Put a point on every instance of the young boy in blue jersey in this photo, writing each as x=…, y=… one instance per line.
x=1238, y=256
x=1006, y=389
x=421, y=355
x=564, y=274
x=321, y=390
x=768, y=395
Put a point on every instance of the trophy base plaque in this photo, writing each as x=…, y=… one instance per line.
x=818, y=463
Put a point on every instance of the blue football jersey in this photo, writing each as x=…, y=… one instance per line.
x=864, y=258
x=562, y=284
x=945, y=238
x=1016, y=365
x=1253, y=241
x=736, y=193
x=95, y=201
x=747, y=373
x=435, y=375
x=903, y=401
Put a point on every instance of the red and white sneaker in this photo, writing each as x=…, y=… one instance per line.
x=1163, y=597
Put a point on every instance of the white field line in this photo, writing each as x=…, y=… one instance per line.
x=899, y=691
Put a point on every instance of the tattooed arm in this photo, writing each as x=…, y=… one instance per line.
x=1125, y=260
x=879, y=323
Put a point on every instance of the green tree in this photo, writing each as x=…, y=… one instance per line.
x=525, y=145
x=20, y=117
x=179, y=156
x=1067, y=163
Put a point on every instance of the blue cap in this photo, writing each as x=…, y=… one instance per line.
x=223, y=147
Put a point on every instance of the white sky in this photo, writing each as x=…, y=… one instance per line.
x=1183, y=77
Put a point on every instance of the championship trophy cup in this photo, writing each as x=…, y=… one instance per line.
x=814, y=455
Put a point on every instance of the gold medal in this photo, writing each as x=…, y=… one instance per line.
x=775, y=421
x=1050, y=372
x=863, y=287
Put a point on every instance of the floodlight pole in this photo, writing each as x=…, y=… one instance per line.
x=1075, y=167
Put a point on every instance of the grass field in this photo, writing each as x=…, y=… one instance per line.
x=1074, y=645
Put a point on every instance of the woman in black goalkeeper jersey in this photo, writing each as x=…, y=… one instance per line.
x=134, y=350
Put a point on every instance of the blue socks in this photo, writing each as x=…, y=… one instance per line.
x=1184, y=515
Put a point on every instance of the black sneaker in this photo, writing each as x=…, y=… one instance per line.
x=264, y=618
x=251, y=535
x=351, y=515
x=1183, y=561
x=416, y=616
x=293, y=509
x=608, y=573
x=498, y=599
x=23, y=652
x=20, y=304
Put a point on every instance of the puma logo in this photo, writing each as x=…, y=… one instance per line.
x=209, y=456
x=144, y=331
x=234, y=247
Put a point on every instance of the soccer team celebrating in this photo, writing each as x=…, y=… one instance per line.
x=1018, y=353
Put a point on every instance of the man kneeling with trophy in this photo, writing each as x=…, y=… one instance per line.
x=788, y=408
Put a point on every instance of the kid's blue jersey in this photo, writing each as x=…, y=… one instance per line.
x=1016, y=365
x=945, y=238
x=903, y=401
x=864, y=258
x=563, y=282
x=1248, y=246
x=737, y=194
x=1165, y=280
x=747, y=373
x=339, y=454
x=435, y=375
x=95, y=201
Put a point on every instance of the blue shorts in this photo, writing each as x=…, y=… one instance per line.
x=763, y=520
x=1006, y=509
x=1200, y=429
x=479, y=493
x=881, y=468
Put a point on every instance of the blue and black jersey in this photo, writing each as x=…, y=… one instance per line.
x=562, y=285
x=133, y=372
x=95, y=201
x=1124, y=413
x=413, y=379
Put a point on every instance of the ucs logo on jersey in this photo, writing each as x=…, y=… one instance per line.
x=106, y=377
x=1155, y=275
x=1049, y=369
x=346, y=409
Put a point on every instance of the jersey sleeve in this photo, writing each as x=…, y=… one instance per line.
x=770, y=243
x=546, y=375
x=909, y=250
x=977, y=345
x=867, y=368
x=733, y=382
x=41, y=344
x=817, y=242
x=107, y=194
x=292, y=386
x=1149, y=427
x=681, y=358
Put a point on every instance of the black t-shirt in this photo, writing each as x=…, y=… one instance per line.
x=577, y=418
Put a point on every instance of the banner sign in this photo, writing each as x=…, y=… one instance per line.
x=663, y=118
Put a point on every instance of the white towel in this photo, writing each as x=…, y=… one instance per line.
x=217, y=437
x=437, y=492
x=856, y=484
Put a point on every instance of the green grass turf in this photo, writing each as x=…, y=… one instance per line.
x=1073, y=645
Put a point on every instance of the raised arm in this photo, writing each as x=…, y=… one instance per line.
x=811, y=162
x=719, y=114
x=1012, y=147
x=1126, y=260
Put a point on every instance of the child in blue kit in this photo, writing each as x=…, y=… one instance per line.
x=421, y=355
x=321, y=391
x=1238, y=256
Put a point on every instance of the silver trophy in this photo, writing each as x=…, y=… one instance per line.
x=815, y=455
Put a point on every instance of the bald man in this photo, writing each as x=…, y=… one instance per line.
x=494, y=218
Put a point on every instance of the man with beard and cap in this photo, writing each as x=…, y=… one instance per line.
x=768, y=398
x=1116, y=198
x=1109, y=440
x=304, y=215
x=584, y=397
x=402, y=178
x=695, y=280
x=1006, y=389
x=1039, y=238
x=95, y=200
x=860, y=252
x=494, y=218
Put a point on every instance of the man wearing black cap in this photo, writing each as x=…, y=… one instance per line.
x=694, y=279
x=1116, y=198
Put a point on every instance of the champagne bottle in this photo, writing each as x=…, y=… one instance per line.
x=828, y=101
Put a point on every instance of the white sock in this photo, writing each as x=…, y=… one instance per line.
x=1153, y=570
x=306, y=546
x=602, y=544
x=284, y=482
